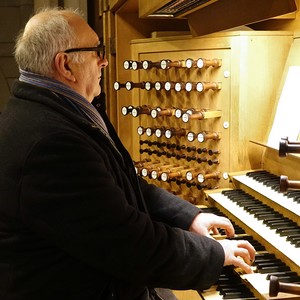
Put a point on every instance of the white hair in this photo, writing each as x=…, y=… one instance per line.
x=37, y=45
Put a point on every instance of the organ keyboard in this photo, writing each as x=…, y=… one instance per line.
x=233, y=284
x=269, y=187
x=270, y=221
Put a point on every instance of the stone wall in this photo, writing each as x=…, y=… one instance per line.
x=13, y=16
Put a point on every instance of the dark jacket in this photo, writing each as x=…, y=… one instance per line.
x=75, y=220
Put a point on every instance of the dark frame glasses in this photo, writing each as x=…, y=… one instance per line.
x=100, y=49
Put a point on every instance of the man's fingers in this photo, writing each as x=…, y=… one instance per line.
x=227, y=226
x=240, y=263
x=238, y=253
x=247, y=248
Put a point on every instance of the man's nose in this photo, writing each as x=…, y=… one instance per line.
x=103, y=63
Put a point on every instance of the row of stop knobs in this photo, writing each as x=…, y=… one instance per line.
x=170, y=132
x=181, y=152
x=178, y=156
x=165, y=64
x=200, y=86
x=178, y=147
x=184, y=114
x=167, y=172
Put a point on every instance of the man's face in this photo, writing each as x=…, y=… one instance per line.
x=88, y=73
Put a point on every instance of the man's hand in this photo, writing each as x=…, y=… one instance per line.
x=205, y=223
x=239, y=253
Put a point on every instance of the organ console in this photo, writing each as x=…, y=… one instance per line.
x=205, y=160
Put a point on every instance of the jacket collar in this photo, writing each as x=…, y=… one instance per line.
x=62, y=105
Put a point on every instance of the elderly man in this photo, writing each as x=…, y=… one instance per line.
x=76, y=221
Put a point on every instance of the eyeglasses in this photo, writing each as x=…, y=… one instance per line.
x=100, y=49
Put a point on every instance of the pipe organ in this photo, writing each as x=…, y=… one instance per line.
x=196, y=110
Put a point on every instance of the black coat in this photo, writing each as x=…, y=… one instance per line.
x=75, y=220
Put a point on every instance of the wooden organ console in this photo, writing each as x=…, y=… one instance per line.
x=191, y=107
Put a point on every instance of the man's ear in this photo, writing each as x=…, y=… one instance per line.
x=62, y=67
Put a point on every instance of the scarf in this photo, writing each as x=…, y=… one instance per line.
x=79, y=102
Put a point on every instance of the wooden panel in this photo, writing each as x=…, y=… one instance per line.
x=108, y=21
x=125, y=32
x=114, y=5
x=187, y=295
x=238, y=13
x=127, y=26
x=293, y=60
x=281, y=165
x=147, y=7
